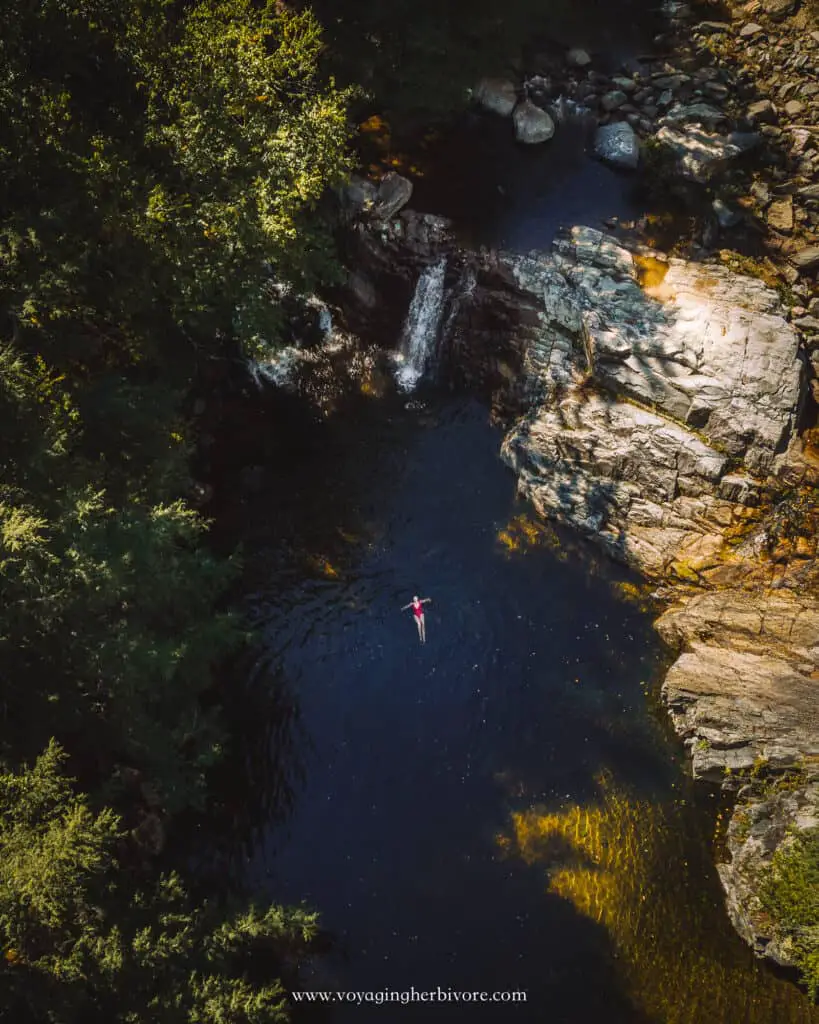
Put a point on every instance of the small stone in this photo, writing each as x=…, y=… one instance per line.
x=714, y=27
x=761, y=112
x=809, y=324
x=794, y=107
x=779, y=9
x=780, y=215
x=809, y=90
x=726, y=217
x=642, y=96
x=749, y=30
x=670, y=81
x=617, y=144
x=665, y=99
x=716, y=90
x=806, y=259
x=627, y=85
x=578, y=58
x=497, y=95
x=532, y=124
x=613, y=100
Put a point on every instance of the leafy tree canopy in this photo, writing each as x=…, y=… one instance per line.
x=81, y=943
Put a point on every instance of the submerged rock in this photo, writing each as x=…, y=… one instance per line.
x=497, y=95
x=578, y=58
x=618, y=144
x=532, y=124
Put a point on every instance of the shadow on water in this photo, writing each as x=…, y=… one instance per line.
x=504, y=194
x=497, y=809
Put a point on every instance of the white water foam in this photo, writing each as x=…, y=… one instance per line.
x=421, y=327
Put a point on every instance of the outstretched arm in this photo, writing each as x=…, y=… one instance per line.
x=425, y=600
x=406, y=606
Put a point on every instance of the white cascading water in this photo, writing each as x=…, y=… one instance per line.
x=421, y=326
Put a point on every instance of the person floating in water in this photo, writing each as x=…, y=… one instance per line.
x=417, y=605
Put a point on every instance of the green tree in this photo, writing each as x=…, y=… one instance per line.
x=82, y=944
x=109, y=636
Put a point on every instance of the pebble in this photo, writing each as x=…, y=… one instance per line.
x=751, y=29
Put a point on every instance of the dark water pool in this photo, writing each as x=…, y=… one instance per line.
x=499, y=809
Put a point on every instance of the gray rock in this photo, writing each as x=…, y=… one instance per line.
x=759, y=826
x=714, y=27
x=779, y=9
x=698, y=154
x=750, y=30
x=357, y=196
x=626, y=85
x=639, y=485
x=762, y=112
x=694, y=113
x=780, y=214
x=497, y=95
x=394, y=192
x=578, y=58
x=736, y=694
x=532, y=124
x=701, y=346
x=806, y=259
x=726, y=216
x=809, y=324
x=671, y=82
x=793, y=108
x=617, y=144
x=613, y=100
x=716, y=90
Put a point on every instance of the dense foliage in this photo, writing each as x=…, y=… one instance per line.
x=416, y=59
x=791, y=896
x=84, y=944
x=161, y=164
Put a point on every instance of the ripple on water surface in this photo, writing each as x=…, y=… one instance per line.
x=497, y=809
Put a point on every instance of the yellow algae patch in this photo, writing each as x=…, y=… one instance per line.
x=635, y=593
x=651, y=274
x=622, y=865
x=523, y=532
x=322, y=565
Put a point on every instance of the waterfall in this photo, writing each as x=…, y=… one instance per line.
x=421, y=326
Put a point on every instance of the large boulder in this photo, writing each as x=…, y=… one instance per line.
x=698, y=154
x=757, y=829
x=701, y=344
x=744, y=696
x=643, y=487
x=618, y=145
x=394, y=192
x=532, y=124
x=497, y=95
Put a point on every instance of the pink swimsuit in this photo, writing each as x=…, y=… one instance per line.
x=418, y=610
